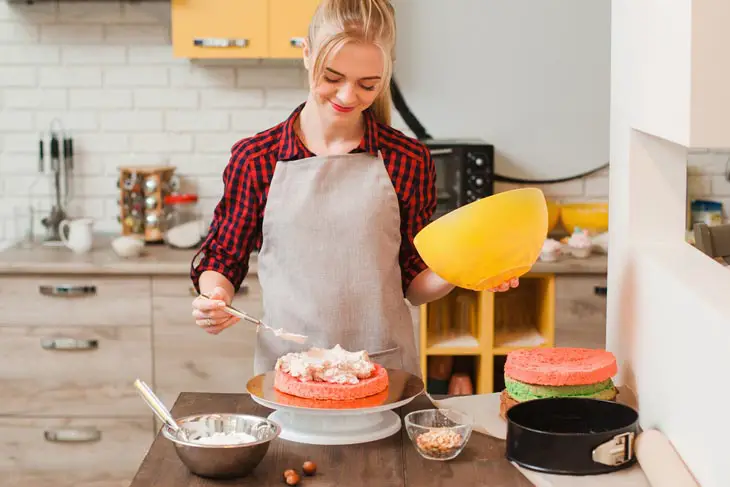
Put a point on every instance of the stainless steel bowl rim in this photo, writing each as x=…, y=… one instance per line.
x=170, y=435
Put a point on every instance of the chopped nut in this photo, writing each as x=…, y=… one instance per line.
x=289, y=472
x=292, y=479
x=439, y=442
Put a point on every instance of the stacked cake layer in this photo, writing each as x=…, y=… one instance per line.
x=558, y=372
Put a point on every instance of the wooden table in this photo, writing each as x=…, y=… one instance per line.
x=390, y=462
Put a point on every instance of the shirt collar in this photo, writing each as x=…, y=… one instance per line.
x=291, y=148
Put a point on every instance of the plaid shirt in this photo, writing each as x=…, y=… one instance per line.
x=236, y=227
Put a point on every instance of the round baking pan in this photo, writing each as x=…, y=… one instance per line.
x=572, y=436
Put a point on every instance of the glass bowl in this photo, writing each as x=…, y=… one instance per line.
x=439, y=434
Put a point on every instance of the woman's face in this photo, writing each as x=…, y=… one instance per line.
x=351, y=81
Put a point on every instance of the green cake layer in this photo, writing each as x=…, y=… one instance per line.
x=524, y=392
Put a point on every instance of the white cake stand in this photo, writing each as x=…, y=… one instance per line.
x=360, y=421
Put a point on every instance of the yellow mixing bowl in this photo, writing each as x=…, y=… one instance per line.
x=485, y=243
x=591, y=216
x=553, y=215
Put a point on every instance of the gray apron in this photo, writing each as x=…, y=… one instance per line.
x=328, y=265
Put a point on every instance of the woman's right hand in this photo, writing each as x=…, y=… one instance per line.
x=208, y=313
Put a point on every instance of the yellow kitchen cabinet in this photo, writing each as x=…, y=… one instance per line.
x=238, y=29
x=220, y=29
x=288, y=26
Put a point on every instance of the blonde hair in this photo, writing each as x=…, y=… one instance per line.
x=337, y=22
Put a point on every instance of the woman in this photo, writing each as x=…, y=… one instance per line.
x=335, y=196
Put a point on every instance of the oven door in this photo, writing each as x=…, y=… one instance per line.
x=448, y=180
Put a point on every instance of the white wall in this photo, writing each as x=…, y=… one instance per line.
x=106, y=70
x=668, y=307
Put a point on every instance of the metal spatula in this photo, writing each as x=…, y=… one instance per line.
x=280, y=332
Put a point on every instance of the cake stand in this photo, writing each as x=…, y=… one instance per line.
x=337, y=422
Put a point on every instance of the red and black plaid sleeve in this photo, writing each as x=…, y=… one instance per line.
x=413, y=174
x=236, y=230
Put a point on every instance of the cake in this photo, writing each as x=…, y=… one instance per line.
x=580, y=243
x=550, y=250
x=540, y=373
x=329, y=374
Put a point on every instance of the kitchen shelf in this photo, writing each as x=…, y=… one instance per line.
x=488, y=325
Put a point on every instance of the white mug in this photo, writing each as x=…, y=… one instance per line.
x=80, y=234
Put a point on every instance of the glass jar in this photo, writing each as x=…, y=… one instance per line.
x=182, y=220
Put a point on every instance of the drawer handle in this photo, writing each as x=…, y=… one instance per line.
x=218, y=42
x=76, y=435
x=600, y=290
x=296, y=42
x=68, y=344
x=243, y=290
x=67, y=291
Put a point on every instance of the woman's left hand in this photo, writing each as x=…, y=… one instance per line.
x=505, y=286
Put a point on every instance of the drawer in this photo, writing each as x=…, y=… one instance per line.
x=186, y=358
x=74, y=371
x=580, y=310
x=53, y=452
x=249, y=292
x=75, y=301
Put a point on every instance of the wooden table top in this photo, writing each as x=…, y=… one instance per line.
x=390, y=462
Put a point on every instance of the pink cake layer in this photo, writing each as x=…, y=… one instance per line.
x=560, y=366
x=374, y=384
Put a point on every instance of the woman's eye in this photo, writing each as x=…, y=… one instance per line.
x=331, y=80
x=367, y=88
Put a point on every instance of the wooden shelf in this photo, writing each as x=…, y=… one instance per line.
x=487, y=325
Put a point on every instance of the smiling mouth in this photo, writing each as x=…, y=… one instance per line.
x=340, y=108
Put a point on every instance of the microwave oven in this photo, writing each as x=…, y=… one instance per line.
x=464, y=172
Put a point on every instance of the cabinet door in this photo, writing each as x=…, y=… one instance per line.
x=186, y=358
x=220, y=28
x=289, y=22
x=580, y=311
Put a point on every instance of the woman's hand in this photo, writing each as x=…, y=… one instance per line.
x=505, y=286
x=208, y=313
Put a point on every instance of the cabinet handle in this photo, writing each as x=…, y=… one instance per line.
x=67, y=291
x=296, y=42
x=600, y=290
x=218, y=42
x=75, y=435
x=244, y=289
x=68, y=344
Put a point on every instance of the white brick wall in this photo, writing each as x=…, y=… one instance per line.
x=106, y=70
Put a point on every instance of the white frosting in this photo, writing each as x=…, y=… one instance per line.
x=334, y=365
x=580, y=240
x=551, y=245
x=223, y=439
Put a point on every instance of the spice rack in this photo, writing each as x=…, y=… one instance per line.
x=142, y=192
x=487, y=326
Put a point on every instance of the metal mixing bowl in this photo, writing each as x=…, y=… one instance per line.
x=221, y=461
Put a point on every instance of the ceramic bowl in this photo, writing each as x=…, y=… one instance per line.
x=128, y=246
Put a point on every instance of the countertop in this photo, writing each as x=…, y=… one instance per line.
x=390, y=462
x=159, y=259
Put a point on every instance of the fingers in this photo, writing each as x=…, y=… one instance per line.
x=220, y=326
x=208, y=304
x=215, y=315
x=505, y=286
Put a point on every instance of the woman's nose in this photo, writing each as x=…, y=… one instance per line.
x=346, y=94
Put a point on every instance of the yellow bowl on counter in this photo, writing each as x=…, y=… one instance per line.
x=487, y=242
x=553, y=209
x=591, y=216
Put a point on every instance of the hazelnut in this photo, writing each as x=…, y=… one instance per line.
x=289, y=472
x=292, y=479
x=309, y=468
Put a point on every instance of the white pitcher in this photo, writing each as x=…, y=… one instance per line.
x=80, y=234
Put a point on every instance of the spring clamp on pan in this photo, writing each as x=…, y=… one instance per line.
x=617, y=451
